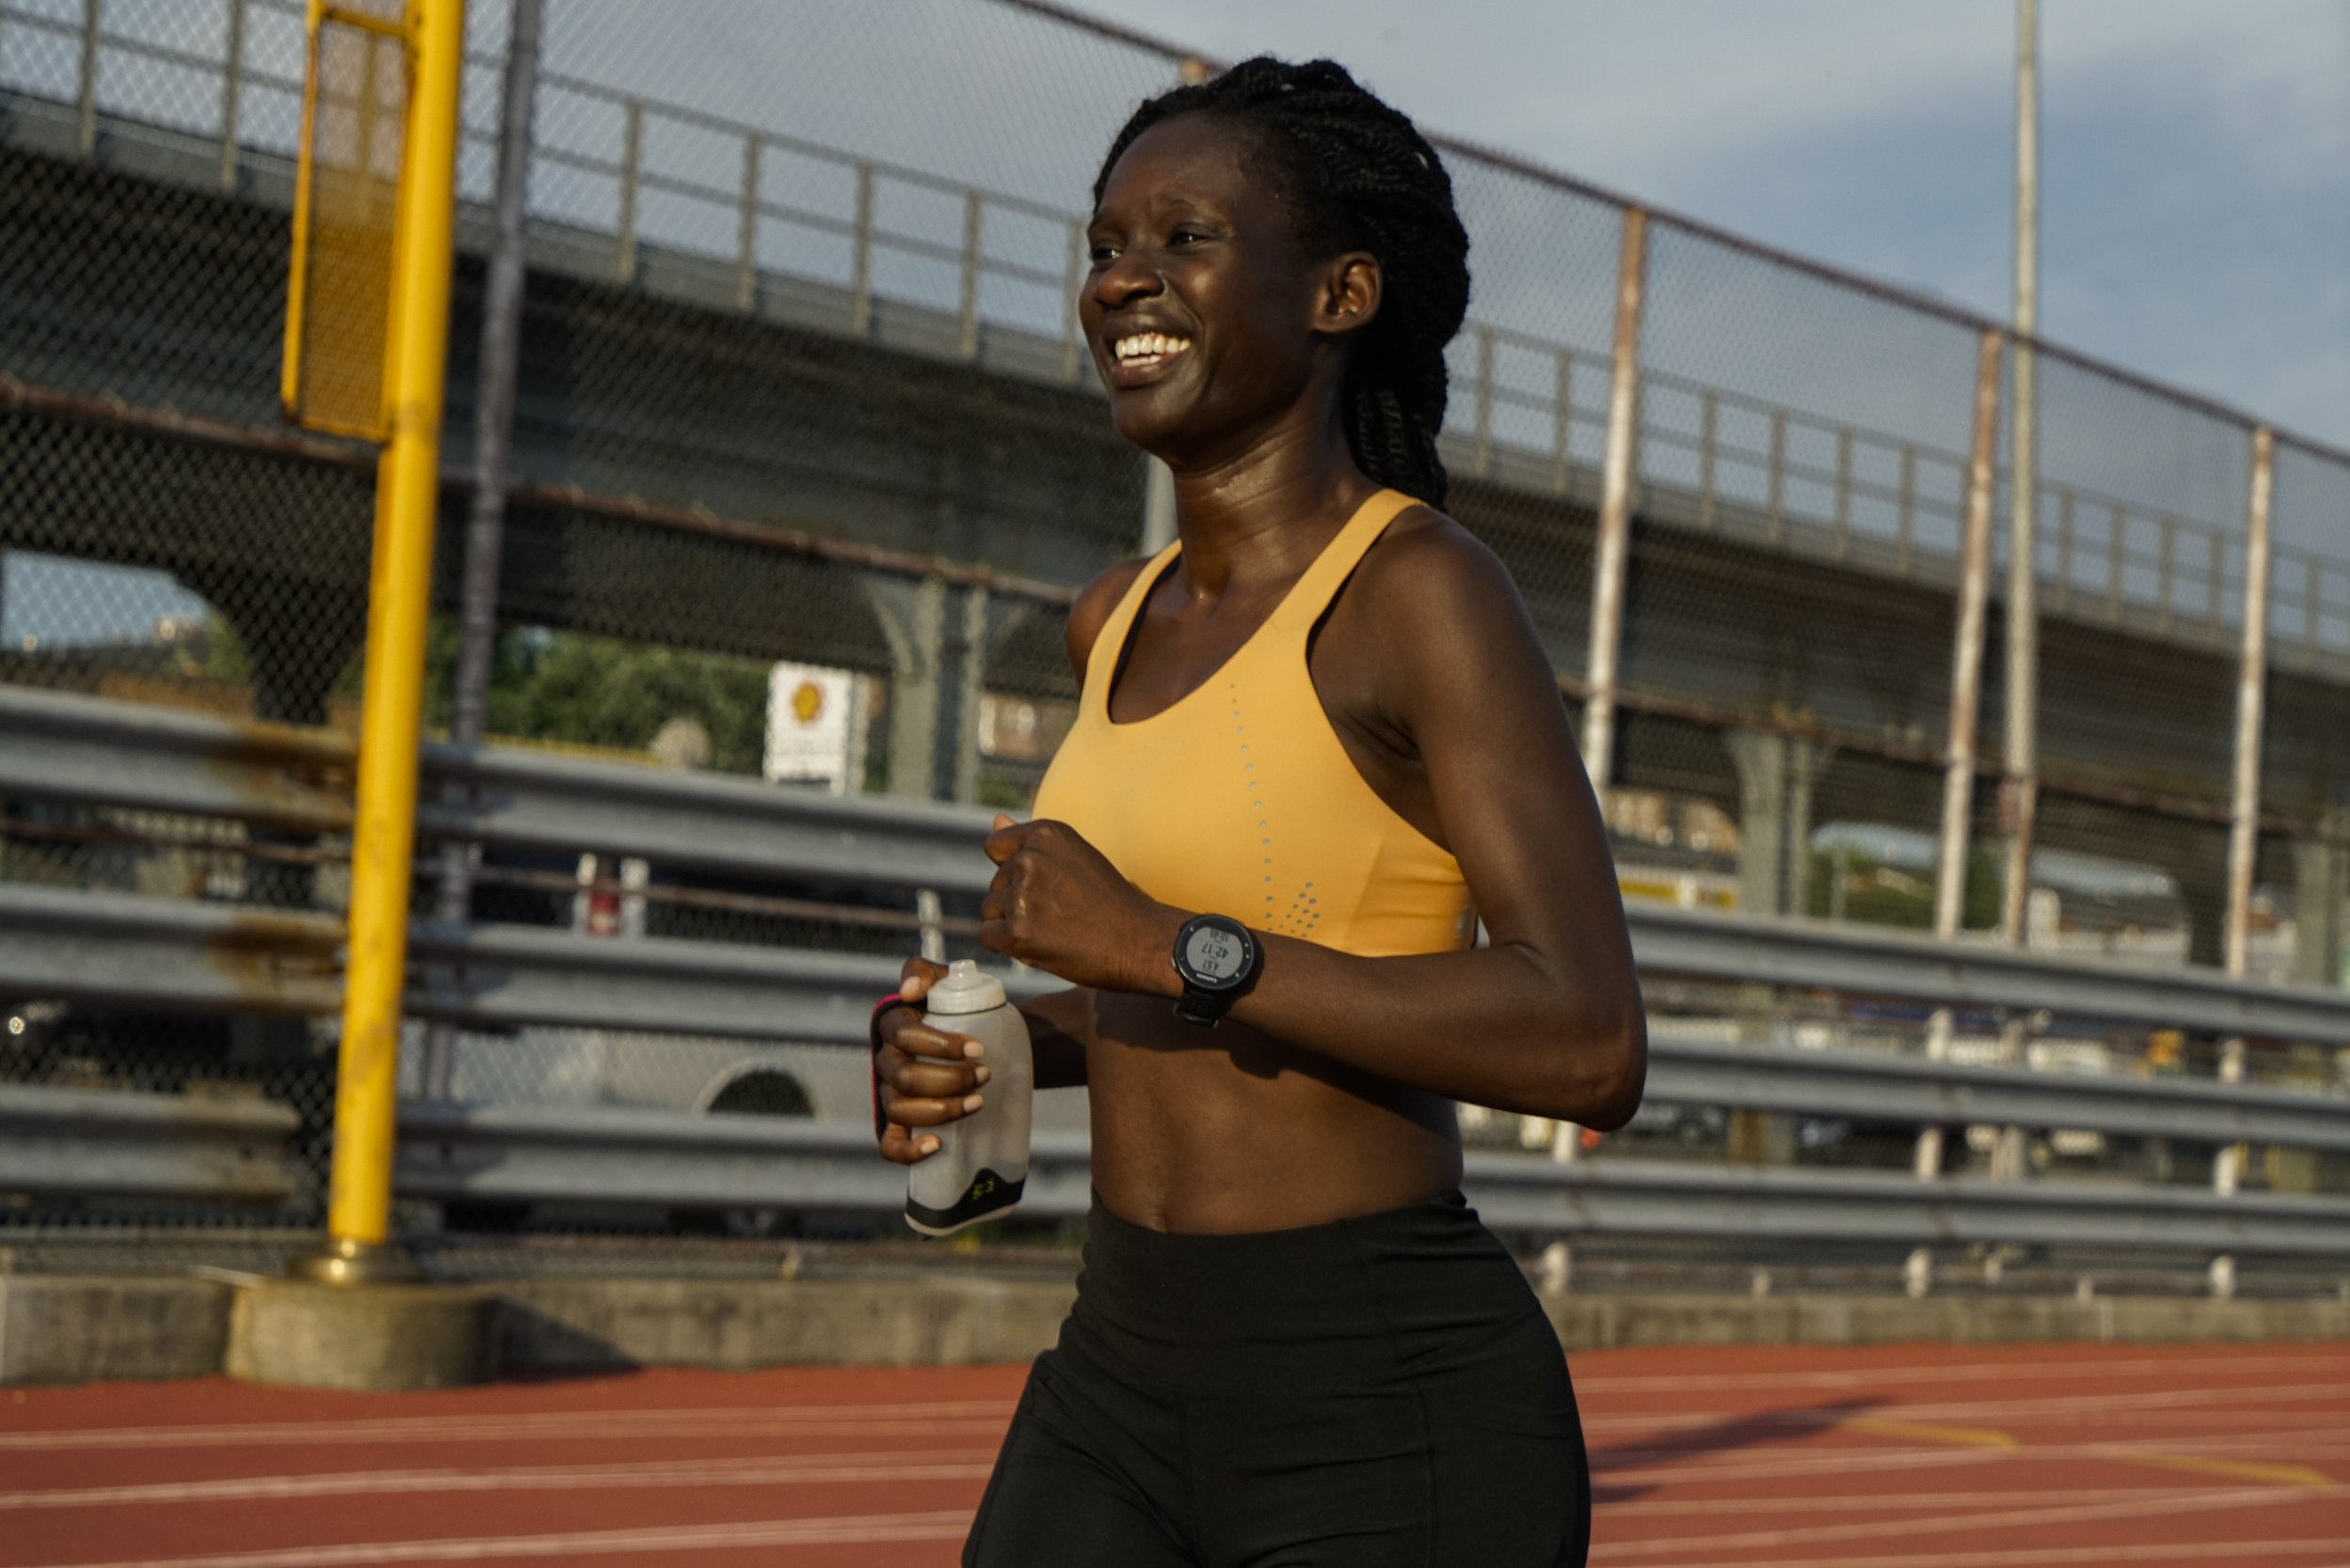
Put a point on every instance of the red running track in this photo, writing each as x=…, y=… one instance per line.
x=1921, y=1456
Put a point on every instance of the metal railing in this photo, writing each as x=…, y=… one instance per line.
x=2104, y=561
x=134, y=951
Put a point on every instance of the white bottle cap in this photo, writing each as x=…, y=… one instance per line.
x=964, y=990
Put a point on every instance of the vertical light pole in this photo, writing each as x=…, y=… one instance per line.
x=493, y=435
x=1958, y=778
x=1611, y=548
x=2020, y=787
x=383, y=839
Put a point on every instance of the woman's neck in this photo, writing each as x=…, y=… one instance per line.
x=1260, y=516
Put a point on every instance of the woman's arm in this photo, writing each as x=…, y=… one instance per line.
x=913, y=1095
x=1547, y=1019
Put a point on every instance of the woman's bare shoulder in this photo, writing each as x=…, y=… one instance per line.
x=1430, y=576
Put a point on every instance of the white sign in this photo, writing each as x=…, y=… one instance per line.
x=815, y=726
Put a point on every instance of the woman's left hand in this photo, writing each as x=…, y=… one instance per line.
x=1058, y=904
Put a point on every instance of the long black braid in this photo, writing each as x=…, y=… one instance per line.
x=1359, y=176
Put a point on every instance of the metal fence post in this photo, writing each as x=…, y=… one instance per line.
x=1958, y=776
x=1709, y=427
x=1612, y=548
x=970, y=649
x=2116, y=559
x=1779, y=475
x=2312, y=602
x=1484, y=400
x=632, y=163
x=974, y=221
x=232, y=77
x=1844, y=492
x=2165, y=570
x=1158, y=506
x=2245, y=808
x=391, y=710
x=1563, y=423
x=1905, y=520
x=2064, y=548
x=85, y=92
x=2019, y=786
x=861, y=256
x=494, y=434
x=747, y=236
x=2216, y=584
x=1073, y=333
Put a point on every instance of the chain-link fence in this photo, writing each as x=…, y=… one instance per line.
x=808, y=462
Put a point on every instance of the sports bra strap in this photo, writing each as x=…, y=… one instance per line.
x=1306, y=603
x=1109, y=643
x=1294, y=618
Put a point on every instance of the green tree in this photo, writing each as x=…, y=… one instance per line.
x=594, y=691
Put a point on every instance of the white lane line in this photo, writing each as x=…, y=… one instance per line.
x=2165, y=1403
x=1862, y=1502
x=2160, y=1399
x=685, y=1538
x=961, y=1464
x=1675, y=1467
x=1967, y=1371
x=2011, y=1519
x=576, y=1425
x=2054, y=1557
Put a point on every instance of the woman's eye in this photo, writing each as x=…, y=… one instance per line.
x=1102, y=255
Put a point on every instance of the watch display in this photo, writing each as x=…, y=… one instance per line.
x=1217, y=960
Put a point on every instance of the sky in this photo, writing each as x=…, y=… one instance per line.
x=2195, y=205
x=2195, y=220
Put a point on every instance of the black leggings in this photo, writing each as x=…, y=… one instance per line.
x=1374, y=1392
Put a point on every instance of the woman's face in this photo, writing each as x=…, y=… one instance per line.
x=1209, y=322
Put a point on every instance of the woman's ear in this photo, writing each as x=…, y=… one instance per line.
x=1349, y=293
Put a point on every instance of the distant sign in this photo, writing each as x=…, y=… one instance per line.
x=815, y=726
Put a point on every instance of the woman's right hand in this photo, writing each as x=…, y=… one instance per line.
x=919, y=1095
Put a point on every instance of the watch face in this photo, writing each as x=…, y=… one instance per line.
x=1214, y=955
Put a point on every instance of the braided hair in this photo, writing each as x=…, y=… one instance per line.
x=1357, y=175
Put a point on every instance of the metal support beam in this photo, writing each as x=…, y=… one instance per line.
x=2019, y=785
x=392, y=700
x=1612, y=549
x=494, y=438
x=1777, y=776
x=2252, y=702
x=1958, y=777
x=2244, y=818
x=597, y=1154
x=1158, y=506
x=2321, y=903
x=913, y=616
x=115, y=1143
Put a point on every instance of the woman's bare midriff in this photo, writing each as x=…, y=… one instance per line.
x=1228, y=1130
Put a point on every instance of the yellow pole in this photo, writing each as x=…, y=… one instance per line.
x=358, y=1219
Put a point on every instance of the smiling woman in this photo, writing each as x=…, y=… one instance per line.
x=1317, y=740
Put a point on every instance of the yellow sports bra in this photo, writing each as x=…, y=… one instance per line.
x=1239, y=799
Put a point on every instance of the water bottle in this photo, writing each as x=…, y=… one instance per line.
x=982, y=1160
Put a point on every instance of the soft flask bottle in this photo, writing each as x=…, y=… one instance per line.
x=982, y=1160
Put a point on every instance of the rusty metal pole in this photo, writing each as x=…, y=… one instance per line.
x=1612, y=548
x=2019, y=789
x=494, y=434
x=2019, y=756
x=2251, y=701
x=1958, y=776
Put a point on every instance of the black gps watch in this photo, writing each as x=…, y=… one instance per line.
x=1217, y=960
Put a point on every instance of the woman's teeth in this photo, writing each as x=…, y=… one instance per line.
x=1147, y=347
